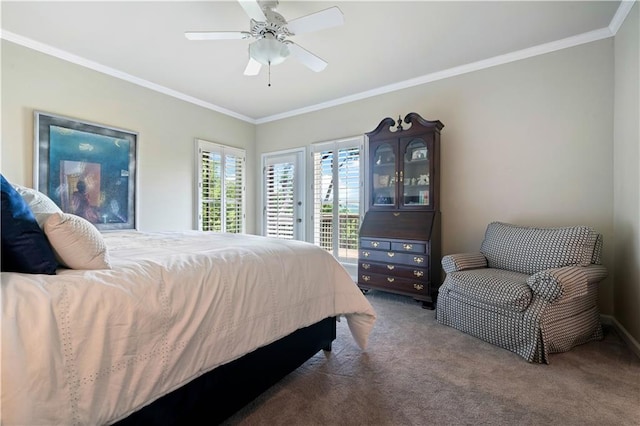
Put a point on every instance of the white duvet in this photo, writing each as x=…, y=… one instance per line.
x=90, y=347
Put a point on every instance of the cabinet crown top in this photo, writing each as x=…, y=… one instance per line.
x=417, y=123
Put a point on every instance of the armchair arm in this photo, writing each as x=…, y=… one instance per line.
x=462, y=261
x=569, y=281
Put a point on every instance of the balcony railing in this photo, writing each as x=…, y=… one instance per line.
x=349, y=225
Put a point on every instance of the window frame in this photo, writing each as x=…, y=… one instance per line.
x=224, y=151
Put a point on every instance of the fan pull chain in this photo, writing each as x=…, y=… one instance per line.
x=269, y=83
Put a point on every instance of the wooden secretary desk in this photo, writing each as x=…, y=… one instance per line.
x=399, y=239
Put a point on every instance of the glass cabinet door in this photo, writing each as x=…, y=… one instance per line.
x=384, y=174
x=414, y=176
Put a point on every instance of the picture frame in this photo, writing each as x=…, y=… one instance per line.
x=87, y=169
x=383, y=180
x=419, y=154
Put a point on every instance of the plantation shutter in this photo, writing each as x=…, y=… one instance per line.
x=279, y=197
x=210, y=191
x=234, y=193
x=221, y=175
x=337, y=205
x=348, y=163
x=323, y=199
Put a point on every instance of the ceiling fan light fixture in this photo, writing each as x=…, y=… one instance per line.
x=271, y=32
x=269, y=51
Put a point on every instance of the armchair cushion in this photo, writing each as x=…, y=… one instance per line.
x=529, y=250
x=495, y=287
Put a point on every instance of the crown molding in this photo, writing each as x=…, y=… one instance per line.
x=621, y=14
x=452, y=72
x=610, y=31
x=78, y=60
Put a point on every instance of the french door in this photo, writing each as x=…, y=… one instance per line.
x=283, y=195
x=337, y=197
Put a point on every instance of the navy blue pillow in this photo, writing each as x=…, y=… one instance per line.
x=25, y=247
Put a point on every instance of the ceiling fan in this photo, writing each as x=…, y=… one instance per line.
x=271, y=32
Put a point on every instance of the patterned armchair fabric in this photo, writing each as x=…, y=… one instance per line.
x=532, y=291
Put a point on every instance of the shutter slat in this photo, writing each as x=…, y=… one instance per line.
x=280, y=203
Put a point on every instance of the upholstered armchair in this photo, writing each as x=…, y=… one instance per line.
x=532, y=291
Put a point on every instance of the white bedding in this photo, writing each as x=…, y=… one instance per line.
x=90, y=347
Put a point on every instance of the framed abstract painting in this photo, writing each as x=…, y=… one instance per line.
x=87, y=169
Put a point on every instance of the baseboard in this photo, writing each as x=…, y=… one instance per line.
x=623, y=333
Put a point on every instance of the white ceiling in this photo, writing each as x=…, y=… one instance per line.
x=382, y=46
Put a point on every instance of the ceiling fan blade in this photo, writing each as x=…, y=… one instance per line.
x=217, y=35
x=310, y=60
x=327, y=18
x=253, y=9
x=253, y=67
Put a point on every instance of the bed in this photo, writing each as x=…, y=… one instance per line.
x=175, y=326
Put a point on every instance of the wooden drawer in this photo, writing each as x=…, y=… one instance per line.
x=375, y=244
x=394, y=257
x=394, y=283
x=393, y=269
x=398, y=225
x=409, y=246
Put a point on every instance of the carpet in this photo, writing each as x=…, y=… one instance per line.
x=416, y=371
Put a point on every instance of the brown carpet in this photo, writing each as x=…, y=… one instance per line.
x=418, y=372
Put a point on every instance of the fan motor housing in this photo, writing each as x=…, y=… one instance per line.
x=276, y=29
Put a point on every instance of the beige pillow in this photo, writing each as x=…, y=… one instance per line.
x=76, y=243
x=41, y=205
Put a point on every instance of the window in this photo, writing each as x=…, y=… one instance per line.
x=221, y=187
x=337, y=197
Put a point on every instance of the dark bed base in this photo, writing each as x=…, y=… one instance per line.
x=215, y=396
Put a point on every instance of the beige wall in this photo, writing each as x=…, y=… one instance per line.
x=626, y=219
x=530, y=142
x=166, y=129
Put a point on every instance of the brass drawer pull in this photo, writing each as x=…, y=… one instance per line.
x=366, y=266
x=418, y=259
x=365, y=253
x=391, y=279
x=396, y=214
x=418, y=286
x=366, y=278
x=407, y=246
x=391, y=254
x=391, y=267
x=418, y=273
x=374, y=244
